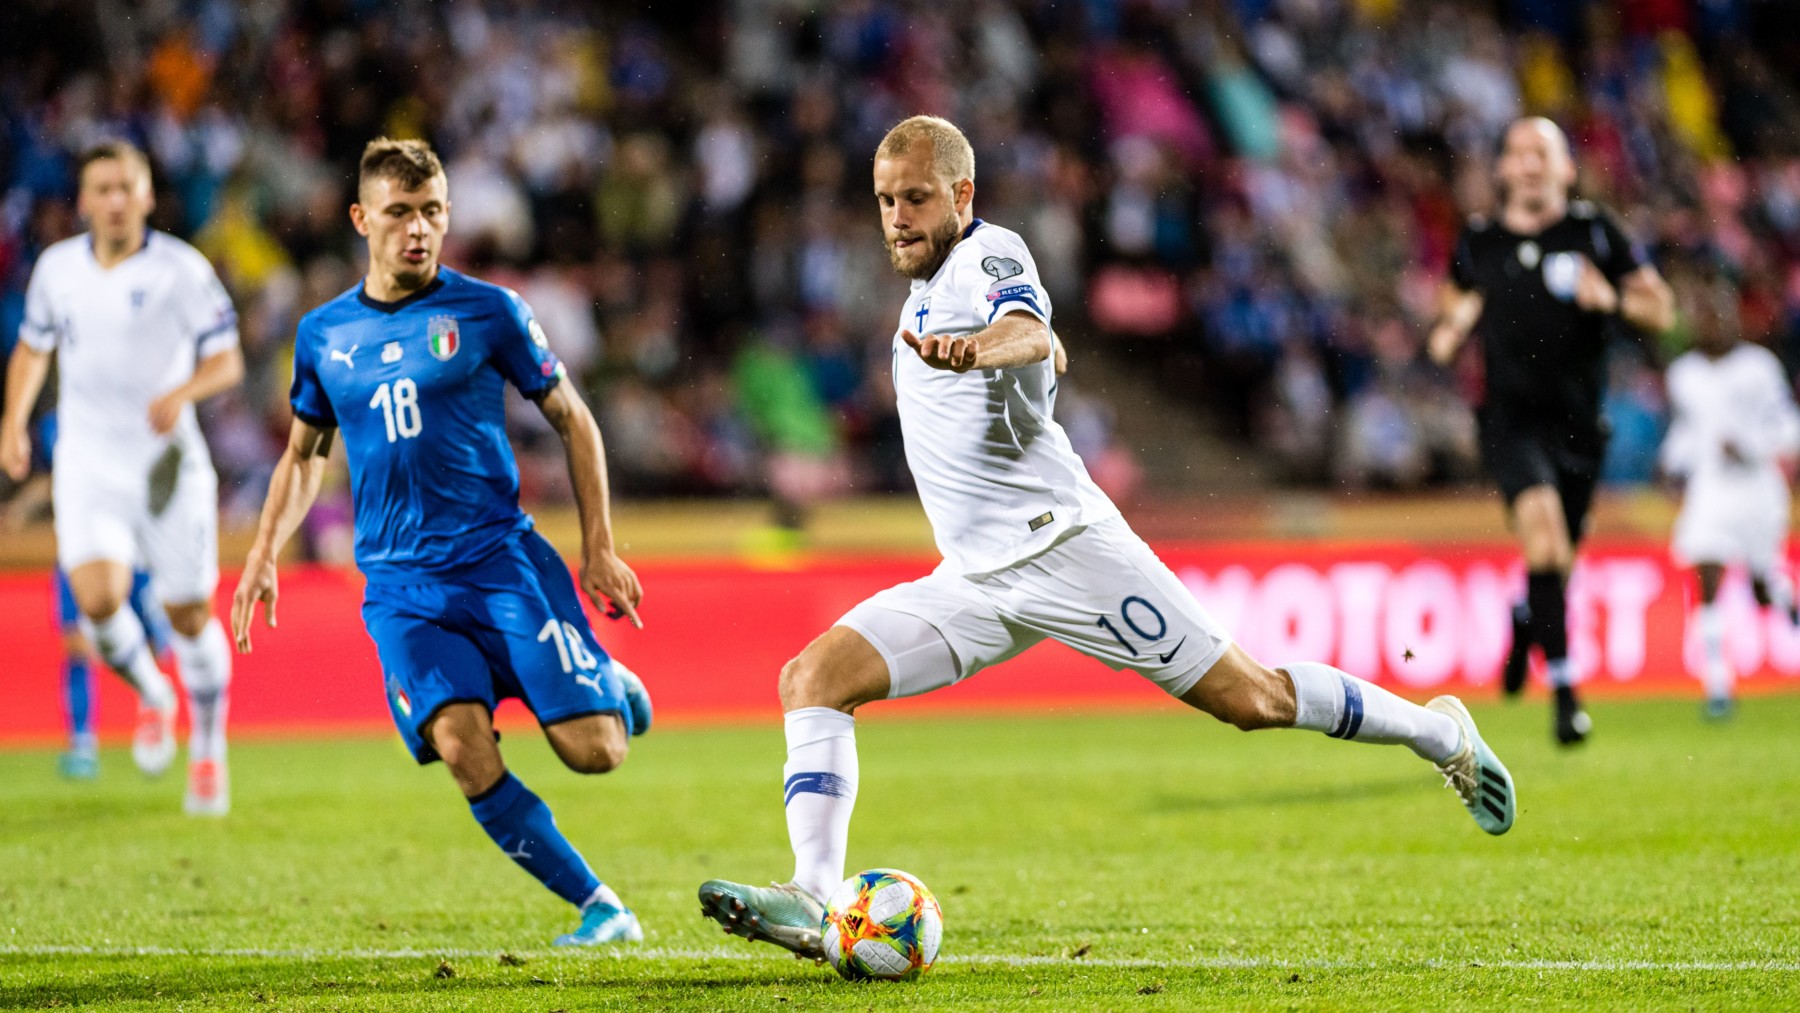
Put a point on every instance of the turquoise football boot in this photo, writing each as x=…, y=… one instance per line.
x=603, y=925
x=637, y=698
x=780, y=913
x=1480, y=779
x=78, y=764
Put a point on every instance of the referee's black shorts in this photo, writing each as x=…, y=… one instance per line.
x=1522, y=450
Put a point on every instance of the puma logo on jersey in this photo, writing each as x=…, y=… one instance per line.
x=345, y=357
x=592, y=682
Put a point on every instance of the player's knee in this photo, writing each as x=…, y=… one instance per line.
x=99, y=604
x=806, y=683
x=466, y=761
x=189, y=620
x=799, y=683
x=606, y=754
x=593, y=745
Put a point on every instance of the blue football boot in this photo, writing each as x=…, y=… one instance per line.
x=603, y=925
x=637, y=698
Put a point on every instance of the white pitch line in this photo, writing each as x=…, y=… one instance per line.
x=1013, y=960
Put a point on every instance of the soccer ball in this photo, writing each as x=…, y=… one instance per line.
x=882, y=924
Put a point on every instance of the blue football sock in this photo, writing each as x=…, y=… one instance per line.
x=521, y=824
x=78, y=699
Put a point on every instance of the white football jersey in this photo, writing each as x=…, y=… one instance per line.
x=995, y=472
x=1742, y=397
x=125, y=336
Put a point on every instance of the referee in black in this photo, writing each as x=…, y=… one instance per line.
x=1543, y=282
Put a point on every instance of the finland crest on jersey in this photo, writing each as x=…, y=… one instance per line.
x=995, y=472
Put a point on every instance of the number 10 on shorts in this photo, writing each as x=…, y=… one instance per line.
x=1138, y=614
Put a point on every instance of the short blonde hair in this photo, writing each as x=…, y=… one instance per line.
x=117, y=150
x=951, y=156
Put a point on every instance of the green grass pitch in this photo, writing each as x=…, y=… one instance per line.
x=1121, y=861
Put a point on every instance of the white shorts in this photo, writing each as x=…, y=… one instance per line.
x=1750, y=529
x=97, y=518
x=1101, y=591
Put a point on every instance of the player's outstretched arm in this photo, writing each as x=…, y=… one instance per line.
x=1458, y=310
x=24, y=379
x=292, y=490
x=215, y=373
x=1016, y=339
x=605, y=578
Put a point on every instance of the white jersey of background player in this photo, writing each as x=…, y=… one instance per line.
x=142, y=330
x=1734, y=425
x=1033, y=550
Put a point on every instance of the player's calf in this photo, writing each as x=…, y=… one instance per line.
x=1244, y=694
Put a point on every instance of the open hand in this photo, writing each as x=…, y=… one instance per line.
x=942, y=351
x=1593, y=292
x=611, y=586
x=257, y=584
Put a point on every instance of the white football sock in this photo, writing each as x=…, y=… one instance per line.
x=205, y=663
x=603, y=895
x=1717, y=672
x=1342, y=706
x=120, y=640
x=820, y=789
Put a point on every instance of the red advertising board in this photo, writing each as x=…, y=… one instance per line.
x=717, y=632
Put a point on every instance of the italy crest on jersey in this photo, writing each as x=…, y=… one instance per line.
x=444, y=339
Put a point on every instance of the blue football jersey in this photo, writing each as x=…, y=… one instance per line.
x=417, y=389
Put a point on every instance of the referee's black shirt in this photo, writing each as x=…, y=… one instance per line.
x=1545, y=356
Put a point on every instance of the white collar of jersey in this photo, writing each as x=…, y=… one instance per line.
x=94, y=253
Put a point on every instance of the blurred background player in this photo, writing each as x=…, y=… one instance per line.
x=80, y=691
x=142, y=330
x=1033, y=550
x=466, y=602
x=1543, y=281
x=1735, y=429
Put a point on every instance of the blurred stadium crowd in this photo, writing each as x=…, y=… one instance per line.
x=1252, y=200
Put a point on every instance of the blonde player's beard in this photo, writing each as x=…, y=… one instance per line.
x=940, y=240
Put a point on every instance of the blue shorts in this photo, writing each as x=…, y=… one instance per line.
x=511, y=626
x=156, y=625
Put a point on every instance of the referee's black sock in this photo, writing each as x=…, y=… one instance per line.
x=1549, y=620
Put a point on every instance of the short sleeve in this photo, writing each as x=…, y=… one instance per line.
x=307, y=395
x=38, y=330
x=521, y=351
x=1462, y=263
x=1615, y=254
x=207, y=308
x=1007, y=280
